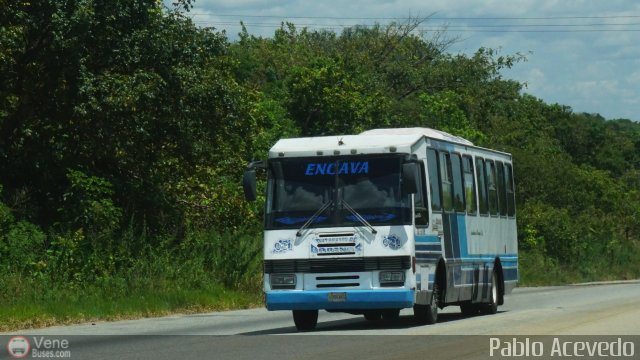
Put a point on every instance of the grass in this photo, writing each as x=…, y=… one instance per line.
x=79, y=280
x=538, y=269
x=208, y=272
x=40, y=308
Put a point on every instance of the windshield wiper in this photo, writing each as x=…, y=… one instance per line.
x=313, y=217
x=359, y=217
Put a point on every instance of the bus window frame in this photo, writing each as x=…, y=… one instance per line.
x=437, y=183
x=447, y=158
x=511, y=211
x=474, y=189
x=425, y=196
x=501, y=186
x=478, y=176
x=492, y=164
x=453, y=183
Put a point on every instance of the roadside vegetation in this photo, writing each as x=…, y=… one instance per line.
x=124, y=131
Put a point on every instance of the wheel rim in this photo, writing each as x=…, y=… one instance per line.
x=494, y=289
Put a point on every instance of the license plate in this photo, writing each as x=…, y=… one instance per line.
x=337, y=297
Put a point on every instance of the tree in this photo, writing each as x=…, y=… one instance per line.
x=123, y=91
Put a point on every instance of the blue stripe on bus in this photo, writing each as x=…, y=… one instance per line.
x=464, y=276
x=422, y=256
x=355, y=299
x=462, y=231
x=427, y=239
x=446, y=229
x=473, y=259
x=428, y=247
x=486, y=257
x=455, y=234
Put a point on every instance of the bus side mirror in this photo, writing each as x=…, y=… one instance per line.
x=249, y=185
x=410, y=178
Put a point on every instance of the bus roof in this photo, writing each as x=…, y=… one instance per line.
x=428, y=132
x=370, y=141
x=309, y=146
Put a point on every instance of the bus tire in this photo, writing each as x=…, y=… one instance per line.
x=305, y=320
x=428, y=314
x=491, y=307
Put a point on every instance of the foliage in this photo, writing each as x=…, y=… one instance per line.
x=89, y=204
x=441, y=111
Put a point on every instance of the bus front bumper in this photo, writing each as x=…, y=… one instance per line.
x=336, y=300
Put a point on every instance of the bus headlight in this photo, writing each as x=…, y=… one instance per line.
x=391, y=278
x=283, y=281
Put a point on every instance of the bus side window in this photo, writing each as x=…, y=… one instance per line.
x=446, y=181
x=502, y=191
x=511, y=200
x=434, y=184
x=482, y=186
x=458, y=189
x=420, y=203
x=469, y=185
x=492, y=190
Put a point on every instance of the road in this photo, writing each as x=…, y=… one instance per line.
x=576, y=311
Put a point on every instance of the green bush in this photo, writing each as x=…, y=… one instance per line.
x=21, y=247
x=88, y=204
x=22, y=243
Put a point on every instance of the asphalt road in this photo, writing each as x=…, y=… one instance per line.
x=587, y=312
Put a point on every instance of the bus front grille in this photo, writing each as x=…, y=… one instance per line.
x=337, y=281
x=337, y=265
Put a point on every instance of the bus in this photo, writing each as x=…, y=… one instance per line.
x=388, y=219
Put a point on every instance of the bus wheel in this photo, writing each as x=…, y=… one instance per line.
x=492, y=306
x=373, y=315
x=469, y=309
x=428, y=314
x=305, y=320
x=391, y=314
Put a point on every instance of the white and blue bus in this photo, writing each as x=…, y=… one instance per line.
x=388, y=219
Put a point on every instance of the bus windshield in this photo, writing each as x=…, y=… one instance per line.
x=371, y=185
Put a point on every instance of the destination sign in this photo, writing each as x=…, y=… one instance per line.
x=347, y=167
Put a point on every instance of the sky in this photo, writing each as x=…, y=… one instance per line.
x=584, y=54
